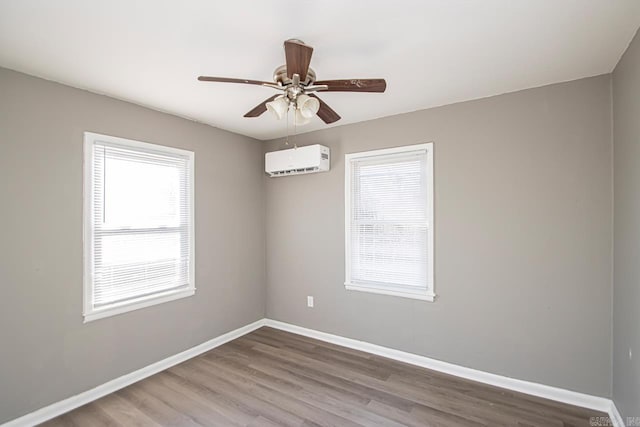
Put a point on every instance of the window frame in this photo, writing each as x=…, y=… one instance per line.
x=91, y=313
x=429, y=294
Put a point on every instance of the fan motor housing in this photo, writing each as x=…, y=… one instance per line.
x=280, y=76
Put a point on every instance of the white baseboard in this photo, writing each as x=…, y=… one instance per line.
x=73, y=402
x=548, y=392
x=616, y=418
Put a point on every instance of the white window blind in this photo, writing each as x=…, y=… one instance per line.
x=389, y=211
x=138, y=224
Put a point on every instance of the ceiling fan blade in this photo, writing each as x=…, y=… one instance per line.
x=325, y=112
x=260, y=108
x=354, y=85
x=298, y=56
x=232, y=80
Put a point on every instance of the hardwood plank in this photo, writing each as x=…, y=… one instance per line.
x=262, y=422
x=124, y=412
x=239, y=395
x=155, y=408
x=274, y=378
x=61, y=421
x=333, y=380
x=278, y=393
x=323, y=399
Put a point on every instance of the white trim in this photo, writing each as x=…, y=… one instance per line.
x=87, y=229
x=89, y=311
x=614, y=415
x=431, y=253
x=136, y=144
x=422, y=295
x=73, y=402
x=393, y=150
x=534, y=389
x=138, y=303
x=429, y=294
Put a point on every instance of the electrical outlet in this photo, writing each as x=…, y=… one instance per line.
x=310, y=302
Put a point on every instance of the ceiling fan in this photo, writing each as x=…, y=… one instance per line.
x=297, y=82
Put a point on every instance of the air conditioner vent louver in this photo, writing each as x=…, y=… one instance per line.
x=295, y=172
x=297, y=161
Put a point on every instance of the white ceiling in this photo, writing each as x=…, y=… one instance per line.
x=431, y=52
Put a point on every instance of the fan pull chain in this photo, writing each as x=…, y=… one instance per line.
x=286, y=142
x=295, y=129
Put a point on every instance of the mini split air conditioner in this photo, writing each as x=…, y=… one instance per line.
x=296, y=161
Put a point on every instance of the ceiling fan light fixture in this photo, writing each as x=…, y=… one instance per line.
x=300, y=119
x=308, y=106
x=278, y=107
x=297, y=79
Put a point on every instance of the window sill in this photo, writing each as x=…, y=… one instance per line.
x=427, y=296
x=138, y=303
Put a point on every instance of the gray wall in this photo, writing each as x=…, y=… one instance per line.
x=626, y=288
x=523, y=196
x=47, y=352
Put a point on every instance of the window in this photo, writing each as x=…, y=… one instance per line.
x=389, y=221
x=138, y=225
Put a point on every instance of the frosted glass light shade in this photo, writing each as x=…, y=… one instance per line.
x=278, y=107
x=308, y=105
x=300, y=118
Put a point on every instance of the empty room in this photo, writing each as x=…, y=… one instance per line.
x=334, y=213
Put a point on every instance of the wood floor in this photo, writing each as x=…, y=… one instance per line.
x=274, y=378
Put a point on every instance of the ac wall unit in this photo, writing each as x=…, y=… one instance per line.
x=296, y=161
